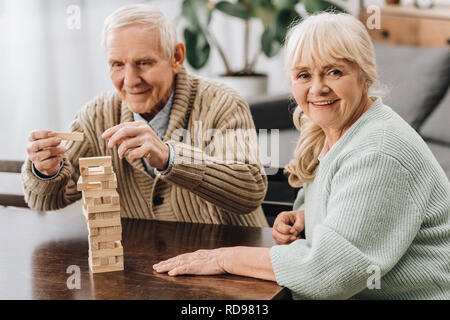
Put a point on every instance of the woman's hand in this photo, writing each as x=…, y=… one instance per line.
x=139, y=141
x=287, y=226
x=200, y=262
x=45, y=151
x=244, y=261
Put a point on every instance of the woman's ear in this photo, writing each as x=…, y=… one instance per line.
x=366, y=88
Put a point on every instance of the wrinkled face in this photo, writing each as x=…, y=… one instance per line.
x=330, y=93
x=138, y=68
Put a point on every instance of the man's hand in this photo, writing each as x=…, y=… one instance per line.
x=200, y=262
x=138, y=140
x=287, y=226
x=45, y=151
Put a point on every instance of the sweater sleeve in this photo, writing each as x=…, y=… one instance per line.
x=61, y=191
x=371, y=221
x=299, y=203
x=226, y=170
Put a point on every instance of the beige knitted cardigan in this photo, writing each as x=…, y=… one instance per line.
x=201, y=187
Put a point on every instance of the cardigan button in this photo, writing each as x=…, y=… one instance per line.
x=158, y=200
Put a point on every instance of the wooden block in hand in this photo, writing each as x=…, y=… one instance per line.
x=73, y=136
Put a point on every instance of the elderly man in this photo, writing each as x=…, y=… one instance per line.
x=160, y=175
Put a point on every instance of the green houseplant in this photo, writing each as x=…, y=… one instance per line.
x=275, y=15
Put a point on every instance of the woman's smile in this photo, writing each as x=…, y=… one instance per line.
x=324, y=104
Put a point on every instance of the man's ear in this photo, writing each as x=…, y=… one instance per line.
x=179, y=53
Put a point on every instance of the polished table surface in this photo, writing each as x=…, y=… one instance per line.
x=36, y=250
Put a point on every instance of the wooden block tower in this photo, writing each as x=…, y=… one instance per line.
x=101, y=207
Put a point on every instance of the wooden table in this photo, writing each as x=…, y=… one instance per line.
x=37, y=248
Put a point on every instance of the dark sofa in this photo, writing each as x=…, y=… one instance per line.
x=418, y=80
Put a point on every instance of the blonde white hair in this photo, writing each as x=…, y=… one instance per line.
x=147, y=16
x=322, y=39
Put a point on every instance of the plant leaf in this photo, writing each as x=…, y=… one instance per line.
x=197, y=48
x=197, y=14
x=269, y=43
x=313, y=6
x=261, y=3
x=266, y=15
x=283, y=4
x=283, y=21
x=238, y=10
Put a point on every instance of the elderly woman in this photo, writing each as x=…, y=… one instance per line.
x=374, y=202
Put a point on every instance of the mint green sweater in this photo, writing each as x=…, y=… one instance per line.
x=379, y=204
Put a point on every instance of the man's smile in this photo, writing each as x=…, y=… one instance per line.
x=139, y=92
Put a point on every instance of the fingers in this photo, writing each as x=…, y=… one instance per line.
x=287, y=226
x=167, y=265
x=40, y=150
x=122, y=134
x=41, y=144
x=109, y=132
x=299, y=224
x=113, y=130
x=127, y=135
x=175, y=266
x=48, y=153
x=200, y=262
x=138, y=140
x=184, y=269
x=140, y=152
x=40, y=134
x=45, y=151
x=282, y=238
x=283, y=225
x=128, y=145
x=283, y=222
x=280, y=229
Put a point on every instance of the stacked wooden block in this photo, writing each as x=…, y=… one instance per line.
x=101, y=208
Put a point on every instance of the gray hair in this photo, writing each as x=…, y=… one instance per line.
x=146, y=15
